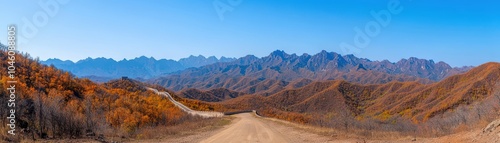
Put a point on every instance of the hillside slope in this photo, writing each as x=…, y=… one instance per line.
x=51, y=103
x=461, y=99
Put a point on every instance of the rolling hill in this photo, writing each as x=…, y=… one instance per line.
x=460, y=99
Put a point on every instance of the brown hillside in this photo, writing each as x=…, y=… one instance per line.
x=411, y=101
x=214, y=95
x=52, y=103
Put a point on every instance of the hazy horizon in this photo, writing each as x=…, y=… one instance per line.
x=205, y=56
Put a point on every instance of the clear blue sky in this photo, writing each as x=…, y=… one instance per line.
x=457, y=32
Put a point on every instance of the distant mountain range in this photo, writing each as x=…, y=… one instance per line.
x=266, y=75
x=280, y=70
x=102, y=69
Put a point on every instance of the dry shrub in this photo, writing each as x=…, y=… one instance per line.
x=193, y=123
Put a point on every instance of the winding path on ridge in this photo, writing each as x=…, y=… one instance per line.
x=205, y=114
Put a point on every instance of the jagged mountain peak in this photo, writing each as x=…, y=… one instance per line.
x=279, y=53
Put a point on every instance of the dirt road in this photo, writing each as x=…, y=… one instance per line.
x=247, y=129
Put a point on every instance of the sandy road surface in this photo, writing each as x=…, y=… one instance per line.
x=247, y=130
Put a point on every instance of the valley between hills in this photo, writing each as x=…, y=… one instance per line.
x=326, y=97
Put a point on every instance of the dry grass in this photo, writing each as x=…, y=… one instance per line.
x=153, y=134
x=8, y=137
x=334, y=135
x=341, y=134
x=181, y=130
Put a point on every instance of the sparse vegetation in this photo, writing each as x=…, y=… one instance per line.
x=459, y=103
x=53, y=104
